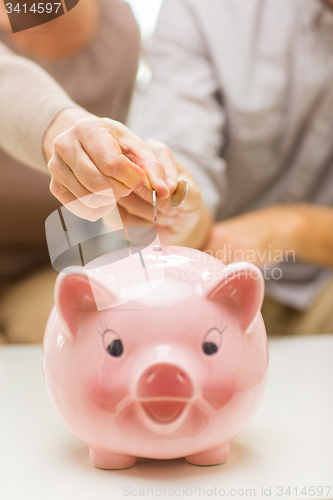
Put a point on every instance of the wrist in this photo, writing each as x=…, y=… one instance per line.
x=292, y=228
x=312, y=234
x=62, y=122
x=286, y=227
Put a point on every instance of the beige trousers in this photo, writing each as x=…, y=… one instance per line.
x=283, y=320
x=25, y=306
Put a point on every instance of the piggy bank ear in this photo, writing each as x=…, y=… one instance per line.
x=243, y=283
x=77, y=293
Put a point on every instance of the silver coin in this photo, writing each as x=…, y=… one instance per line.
x=180, y=194
x=154, y=206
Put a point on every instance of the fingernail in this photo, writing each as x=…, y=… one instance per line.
x=171, y=183
x=145, y=193
x=162, y=184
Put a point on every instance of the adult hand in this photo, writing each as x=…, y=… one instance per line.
x=94, y=161
x=186, y=225
x=262, y=237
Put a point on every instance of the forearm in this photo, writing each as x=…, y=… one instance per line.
x=30, y=100
x=313, y=235
x=262, y=235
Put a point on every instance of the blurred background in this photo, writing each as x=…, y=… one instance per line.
x=146, y=12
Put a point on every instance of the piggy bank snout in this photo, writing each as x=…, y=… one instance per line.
x=164, y=390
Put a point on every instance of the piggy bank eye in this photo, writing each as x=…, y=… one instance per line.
x=209, y=348
x=212, y=341
x=115, y=348
x=112, y=343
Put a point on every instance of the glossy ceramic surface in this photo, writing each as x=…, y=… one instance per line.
x=171, y=363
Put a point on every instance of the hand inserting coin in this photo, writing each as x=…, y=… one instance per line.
x=177, y=197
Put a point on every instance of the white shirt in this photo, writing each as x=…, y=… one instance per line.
x=242, y=92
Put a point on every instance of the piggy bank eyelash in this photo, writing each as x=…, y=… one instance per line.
x=212, y=341
x=103, y=329
x=112, y=343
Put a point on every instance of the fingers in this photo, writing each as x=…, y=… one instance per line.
x=88, y=168
x=106, y=153
x=75, y=205
x=127, y=219
x=165, y=156
x=98, y=161
x=139, y=153
x=142, y=210
x=174, y=172
x=63, y=176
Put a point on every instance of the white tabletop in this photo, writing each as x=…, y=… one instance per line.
x=289, y=444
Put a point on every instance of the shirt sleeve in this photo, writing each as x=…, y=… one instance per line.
x=29, y=102
x=181, y=105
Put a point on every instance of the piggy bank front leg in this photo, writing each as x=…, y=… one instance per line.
x=213, y=456
x=103, y=459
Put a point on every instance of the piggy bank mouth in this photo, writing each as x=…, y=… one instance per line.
x=164, y=410
x=164, y=392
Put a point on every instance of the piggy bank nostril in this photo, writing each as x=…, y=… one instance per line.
x=181, y=377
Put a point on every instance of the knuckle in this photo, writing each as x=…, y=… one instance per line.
x=157, y=145
x=111, y=167
x=52, y=165
x=55, y=189
x=97, y=184
x=115, y=128
x=56, y=169
x=121, y=128
x=60, y=144
x=156, y=163
x=158, y=167
x=84, y=124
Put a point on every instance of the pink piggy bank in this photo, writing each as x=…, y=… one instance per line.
x=160, y=353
